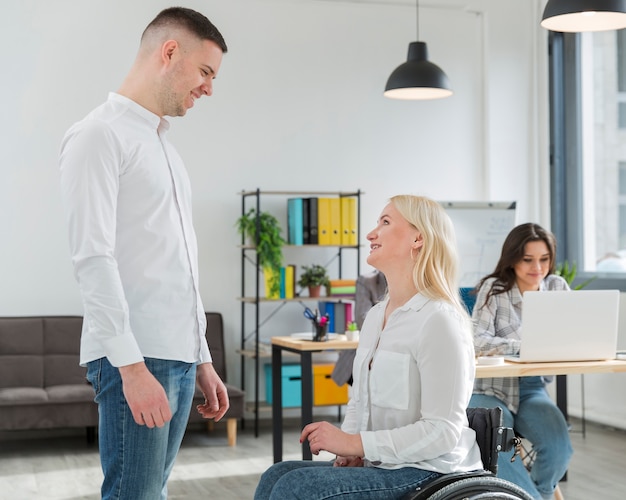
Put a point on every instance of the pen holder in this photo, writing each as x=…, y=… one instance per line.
x=320, y=333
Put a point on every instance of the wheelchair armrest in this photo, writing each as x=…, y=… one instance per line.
x=506, y=439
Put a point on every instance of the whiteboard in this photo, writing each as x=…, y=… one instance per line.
x=481, y=228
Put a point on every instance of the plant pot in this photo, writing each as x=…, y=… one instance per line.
x=315, y=291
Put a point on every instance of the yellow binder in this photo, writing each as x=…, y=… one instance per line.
x=348, y=221
x=335, y=221
x=323, y=221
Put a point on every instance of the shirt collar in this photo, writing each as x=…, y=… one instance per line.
x=417, y=302
x=161, y=124
x=516, y=295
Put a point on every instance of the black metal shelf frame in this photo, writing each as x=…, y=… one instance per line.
x=248, y=255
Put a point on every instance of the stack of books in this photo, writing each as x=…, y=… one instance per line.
x=339, y=315
x=322, y=221
x=287, y=279
x=342, y=288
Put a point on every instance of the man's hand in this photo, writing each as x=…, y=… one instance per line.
x=216, y=402
x=145, y=396
x=325, y=436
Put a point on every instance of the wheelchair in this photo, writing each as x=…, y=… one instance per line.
x=482, y=484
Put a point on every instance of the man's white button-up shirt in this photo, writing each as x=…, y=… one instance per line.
x=128, y=201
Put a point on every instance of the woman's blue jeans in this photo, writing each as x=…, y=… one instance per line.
x=319, y=480
x=136, y=460
x=540, y=421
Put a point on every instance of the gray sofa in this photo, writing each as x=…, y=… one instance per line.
x=42, y=386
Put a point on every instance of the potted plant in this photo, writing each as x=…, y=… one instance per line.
x=568, y=272
x=314, y=277
x=268, y=242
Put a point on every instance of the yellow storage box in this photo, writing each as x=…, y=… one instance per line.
x=325, y=390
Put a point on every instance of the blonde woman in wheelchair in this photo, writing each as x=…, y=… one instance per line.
x=406, y=422
x=527, y=262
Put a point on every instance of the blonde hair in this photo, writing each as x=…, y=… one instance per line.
x=435, y=273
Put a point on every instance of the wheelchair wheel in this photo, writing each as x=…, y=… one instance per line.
x=481, y=488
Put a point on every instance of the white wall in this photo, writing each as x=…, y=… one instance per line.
x=297, y=105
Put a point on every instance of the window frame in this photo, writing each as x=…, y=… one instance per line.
x=566, y=166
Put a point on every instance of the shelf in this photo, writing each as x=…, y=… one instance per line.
x=301, y=193
x=323, y=298
x=304, y=245
x=263, y=407
x=263, y=354
x=251, y=283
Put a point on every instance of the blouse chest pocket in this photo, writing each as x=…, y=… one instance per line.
x=389, y=380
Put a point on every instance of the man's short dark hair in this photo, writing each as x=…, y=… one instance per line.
x=192, y=21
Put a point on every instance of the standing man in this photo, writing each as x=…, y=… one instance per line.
x=134, y=252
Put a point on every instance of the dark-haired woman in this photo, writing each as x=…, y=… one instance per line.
x=527, y=263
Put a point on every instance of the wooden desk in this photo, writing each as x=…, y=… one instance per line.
x=512, y=369
x=561, y=370
x=305, y=348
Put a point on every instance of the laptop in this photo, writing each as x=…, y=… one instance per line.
x=578, y=325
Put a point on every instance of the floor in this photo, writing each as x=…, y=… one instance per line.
x=61, y=465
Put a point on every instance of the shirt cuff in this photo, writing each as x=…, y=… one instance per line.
x=370, y=450
x=122, y=350
x=205, y=354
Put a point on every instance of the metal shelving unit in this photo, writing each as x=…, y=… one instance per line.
x=249, y=263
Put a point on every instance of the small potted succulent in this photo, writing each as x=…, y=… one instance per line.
x=314, y=277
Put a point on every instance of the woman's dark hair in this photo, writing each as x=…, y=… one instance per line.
x=513, y=251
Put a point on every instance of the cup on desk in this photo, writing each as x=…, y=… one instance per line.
x=352, y=335
x=321, y=333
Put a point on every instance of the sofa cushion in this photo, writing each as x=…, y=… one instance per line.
x=12, y=396
x=68, y=393
x=21, y=345
x=21, y=371
x=21, y=336
x=62, y=351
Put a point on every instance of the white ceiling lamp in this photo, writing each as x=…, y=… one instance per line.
x=417, y=78
x=575, y=16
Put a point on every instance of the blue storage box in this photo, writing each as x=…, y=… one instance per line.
x=292, y=385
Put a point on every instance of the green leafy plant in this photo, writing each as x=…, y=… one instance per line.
x=314, y=275
x=568, y=272
x=269, y=242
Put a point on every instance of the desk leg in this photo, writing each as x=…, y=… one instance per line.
x=561, y=401
x=277, y=406
x=561, y=395
x=307, y=398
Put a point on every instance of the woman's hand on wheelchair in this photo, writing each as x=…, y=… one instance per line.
x=352, y=461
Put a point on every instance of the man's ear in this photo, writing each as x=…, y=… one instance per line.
x=168, y=49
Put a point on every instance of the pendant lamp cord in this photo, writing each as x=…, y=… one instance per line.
x=417, y=19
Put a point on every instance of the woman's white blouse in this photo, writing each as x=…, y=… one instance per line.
x=412, y=384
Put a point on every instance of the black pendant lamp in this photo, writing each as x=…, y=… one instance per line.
x=417, y=78
x=575, y=16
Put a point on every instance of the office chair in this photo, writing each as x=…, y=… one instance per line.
x=492, y=438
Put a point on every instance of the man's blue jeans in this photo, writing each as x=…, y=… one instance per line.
x=136, y=460
x=540, y=421
x=318, y=480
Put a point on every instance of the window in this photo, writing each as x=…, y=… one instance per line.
x=588, y=127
